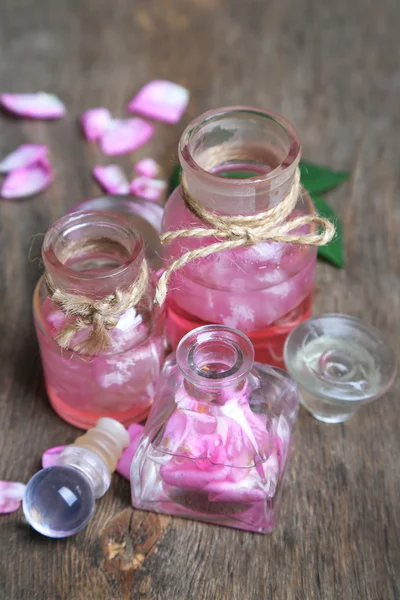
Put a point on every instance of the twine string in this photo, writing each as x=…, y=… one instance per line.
x=240, y=231
x=101, y=314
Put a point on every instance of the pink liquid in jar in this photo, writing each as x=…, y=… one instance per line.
x=118, y=382
x=264, y=290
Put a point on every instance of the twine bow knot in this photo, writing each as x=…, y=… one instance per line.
x=240, y=231
x=102, y=314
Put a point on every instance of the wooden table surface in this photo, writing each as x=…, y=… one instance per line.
x=332, y=68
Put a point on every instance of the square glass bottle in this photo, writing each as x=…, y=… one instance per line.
x=216, y=444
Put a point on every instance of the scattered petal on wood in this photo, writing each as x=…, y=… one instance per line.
x=124, y=464
x=23, y=156
x=27, y=181
x=150, y=189
x=49, y=458
x=35, y=106
x=112, y=179
x=95, y=123
x=126, y=135
x=161, y=100
x=11, y=494
x=147, y=167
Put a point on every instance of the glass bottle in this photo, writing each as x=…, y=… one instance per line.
x=59, y=501
x=239, y=161
x=118, y=381
x=216, y=443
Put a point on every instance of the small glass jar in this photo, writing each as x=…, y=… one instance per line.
x=216, y=443
x=239, y=161
x=118, y=381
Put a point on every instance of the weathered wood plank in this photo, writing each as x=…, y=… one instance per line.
x=332, y=69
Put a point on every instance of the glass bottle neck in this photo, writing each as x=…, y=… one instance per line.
x=239, y=160
x=92, y=253
x=215, y=361
x=216, y=396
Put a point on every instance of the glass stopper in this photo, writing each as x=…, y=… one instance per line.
x=339, y=364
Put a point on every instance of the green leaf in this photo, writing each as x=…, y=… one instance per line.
x=175, y=178
x=317, y=178
x=332, y=252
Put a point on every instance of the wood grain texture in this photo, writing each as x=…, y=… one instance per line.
x=332, y=68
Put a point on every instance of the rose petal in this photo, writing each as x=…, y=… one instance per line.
x=11, y=494
x=233, y=411
x=124, y=464
x=134, y=431
x=125, y=135
x=23, y=156
x=184, y=473
x=56, y=320
x=161, y=100
x=147, y=167
x=150, y=189
x=112, y=179
x=95, y=123
x=222, y=491
x=175, y=432
x=36, y=106
x=27, y=181
x=49, y=458
x=159, y=272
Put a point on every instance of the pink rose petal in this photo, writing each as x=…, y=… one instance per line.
x=27, y=181
x=159, y=273
x=56, y=320
x=125, y=135
x=222, y=491
x=184, y=473
x=112, y=179
x=95, y=123
x=36, y=106
x=49, y=458
x=161, y=100
x=147, y=167
x=23, y=156
x=11, y=494
x=150, y=189
x=124, y=464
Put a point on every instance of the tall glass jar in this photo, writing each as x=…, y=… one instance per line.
x=216, y=444
x=239, y=161
x=94, y=256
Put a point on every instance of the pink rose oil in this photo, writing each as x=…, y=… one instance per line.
x=239, y=161
x=216, y=444
x=120, y=381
